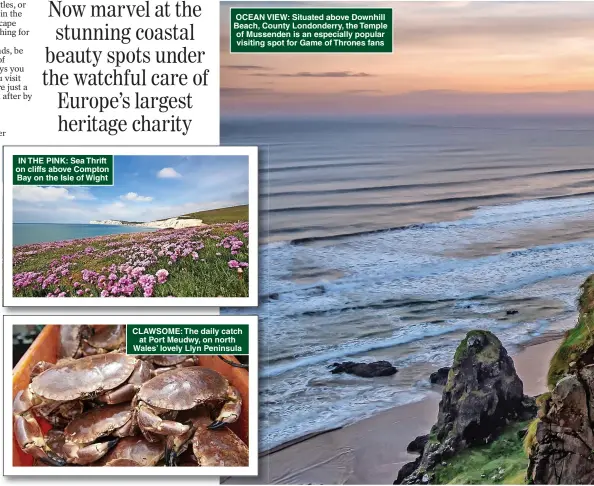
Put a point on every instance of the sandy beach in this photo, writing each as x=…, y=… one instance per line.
x=373, y=450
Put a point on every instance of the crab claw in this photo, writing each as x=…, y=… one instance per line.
x=170, y=457
x=217, y=424
x=31, y=441
x=151, y=423
x=230, y=411
x=52, y=459
x=176, y=445
x=83, y=455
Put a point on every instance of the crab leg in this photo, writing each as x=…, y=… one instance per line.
x=28, y=432
x=176, y=445
x=39, y=368
x=127, y=430
x=120, y=395
x=230, y=411
x=88, y=454
x=152, y=423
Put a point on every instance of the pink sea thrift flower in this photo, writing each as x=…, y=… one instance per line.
x=233, y=264
x=162, y=275
x=104, y=293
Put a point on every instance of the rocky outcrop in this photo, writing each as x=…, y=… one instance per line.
x=440, y=377
x=417, y=445
x=562, y=451
x=365, y=370
x=482, y=395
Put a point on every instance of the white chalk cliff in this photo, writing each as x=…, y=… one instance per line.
x=175, y=223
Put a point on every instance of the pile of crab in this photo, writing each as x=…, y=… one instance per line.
x=108, y=408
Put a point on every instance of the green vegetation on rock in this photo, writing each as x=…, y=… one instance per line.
x=488, y=354
x=577, y=340
x=530, y=437
x=503, y=461
x=222, y=215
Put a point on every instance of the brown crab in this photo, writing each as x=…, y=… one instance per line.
x=164, y=363
x=71, y=338
x=107, y=339
x=211, y=447
x=133, y=451
x=183, y=389
x=81, y=435
x=110, y=378
x=79, y=341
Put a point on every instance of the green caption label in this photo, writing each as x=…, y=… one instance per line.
x=311, y=30
x=187, y=339
x=62, y=170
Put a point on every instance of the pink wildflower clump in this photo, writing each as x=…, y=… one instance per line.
x=162, y=276
x=138, y=263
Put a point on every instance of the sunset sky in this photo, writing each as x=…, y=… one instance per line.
x=449, y=57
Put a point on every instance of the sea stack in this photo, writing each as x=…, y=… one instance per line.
x=483, y=394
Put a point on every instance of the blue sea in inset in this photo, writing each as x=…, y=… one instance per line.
x=27, y=233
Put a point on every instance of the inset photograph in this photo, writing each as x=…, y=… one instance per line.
x=83, y=396
x=130, y=224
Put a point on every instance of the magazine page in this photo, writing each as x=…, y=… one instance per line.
x=297, y=242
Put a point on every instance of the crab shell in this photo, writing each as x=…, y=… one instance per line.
x=69, y=342
x=168, y=360
x=134, y=450
x=184, y=388
x=98, y=423
x=220, y=447
x=109, y=337
x=85, y=377
x=121, y=463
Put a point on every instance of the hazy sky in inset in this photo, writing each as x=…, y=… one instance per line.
x=449, y=57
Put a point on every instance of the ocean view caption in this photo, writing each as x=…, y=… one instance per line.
x=187, y=339
x=311, y=30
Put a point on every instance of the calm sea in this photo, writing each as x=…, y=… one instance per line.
x=391, y=238
x=27, y=233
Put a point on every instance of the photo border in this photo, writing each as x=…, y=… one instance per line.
x=10, y=470
x=8, y=300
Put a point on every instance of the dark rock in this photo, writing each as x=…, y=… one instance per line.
x=511, y=312
x=274, y=296
x=407, y=470
x=418, y=444
x=365, y=370
x=482, y=395
x=440, y=377
x=562, y=449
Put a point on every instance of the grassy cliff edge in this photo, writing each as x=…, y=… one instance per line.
x=505, y=460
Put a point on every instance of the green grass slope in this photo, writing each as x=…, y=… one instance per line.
x=222, y=215
x=503, y=461
x=577, y=341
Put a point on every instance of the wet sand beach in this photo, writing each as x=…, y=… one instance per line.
x=373, y=450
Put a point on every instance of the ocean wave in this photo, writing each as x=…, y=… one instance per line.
x=553, y=207
x=353, y=349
